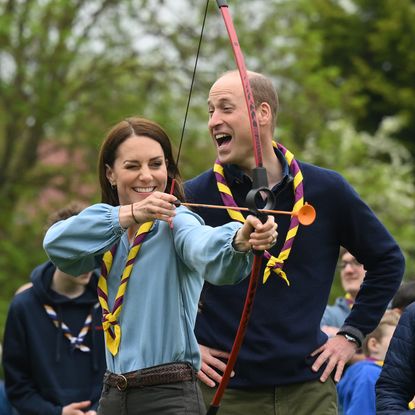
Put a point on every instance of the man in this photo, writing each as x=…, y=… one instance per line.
x=53, y=354
x=286, y=361
x=351, y=276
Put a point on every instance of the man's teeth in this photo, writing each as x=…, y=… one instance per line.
x=221, y=138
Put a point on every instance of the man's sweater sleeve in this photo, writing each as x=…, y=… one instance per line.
x=367, y=239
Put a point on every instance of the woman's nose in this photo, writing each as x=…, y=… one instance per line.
x=145, y=174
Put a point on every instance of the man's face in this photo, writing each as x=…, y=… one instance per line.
x=229, y=122
x=352, y=274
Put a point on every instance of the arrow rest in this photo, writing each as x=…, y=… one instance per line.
x=256, y=194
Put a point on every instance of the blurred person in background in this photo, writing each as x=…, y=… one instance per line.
x=352, y=274
x=403, y=297
x=356, y=388
x=54, y=359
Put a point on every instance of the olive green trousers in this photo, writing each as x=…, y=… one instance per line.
x=308, y=398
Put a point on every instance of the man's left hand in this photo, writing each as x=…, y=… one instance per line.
x=337, y=351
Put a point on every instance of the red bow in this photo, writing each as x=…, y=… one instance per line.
x=260, y=183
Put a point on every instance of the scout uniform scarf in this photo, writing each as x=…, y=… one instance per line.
x=274, y=264
x=77, y=342
x=110, y=322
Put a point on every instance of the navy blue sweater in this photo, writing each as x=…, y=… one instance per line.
x=43, y=372
x=285, y=323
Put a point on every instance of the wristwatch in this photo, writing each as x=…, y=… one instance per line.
x=349, y=338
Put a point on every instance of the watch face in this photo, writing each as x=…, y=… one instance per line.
x=350, y=338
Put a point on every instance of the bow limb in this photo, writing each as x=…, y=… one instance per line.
x=260, y=184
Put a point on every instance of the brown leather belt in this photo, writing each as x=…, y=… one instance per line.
x=152, y=376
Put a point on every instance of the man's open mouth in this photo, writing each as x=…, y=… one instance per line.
x=222, y=139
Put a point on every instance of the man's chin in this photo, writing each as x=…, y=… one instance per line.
x=224, y=157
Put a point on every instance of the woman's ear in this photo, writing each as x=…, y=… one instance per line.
x=110, y=175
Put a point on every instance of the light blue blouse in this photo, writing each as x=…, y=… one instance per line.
x=160, y=303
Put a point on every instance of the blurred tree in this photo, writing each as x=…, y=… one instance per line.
x=371, y=42
x=69, y=69
x=381, y=171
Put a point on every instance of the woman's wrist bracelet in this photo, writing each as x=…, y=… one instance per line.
x=132, y=214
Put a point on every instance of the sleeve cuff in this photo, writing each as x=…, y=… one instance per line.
x=354, y=332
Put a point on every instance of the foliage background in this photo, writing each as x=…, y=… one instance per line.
x=70, y=69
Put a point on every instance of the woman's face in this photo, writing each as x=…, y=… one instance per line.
x=139, y=169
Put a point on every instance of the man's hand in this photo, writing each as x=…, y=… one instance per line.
x=210, y=361
x=75, y=408
x=337, y=351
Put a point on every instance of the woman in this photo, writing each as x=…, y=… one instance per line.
x=156, y=259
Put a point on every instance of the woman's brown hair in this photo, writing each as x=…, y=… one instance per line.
x=127, y=128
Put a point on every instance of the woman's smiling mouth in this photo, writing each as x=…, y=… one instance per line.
x=144, y=189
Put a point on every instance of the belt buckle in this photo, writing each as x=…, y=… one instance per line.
x=122, y=383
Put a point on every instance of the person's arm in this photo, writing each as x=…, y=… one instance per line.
x=395, y=387
x=20, y=388
x=222, y=254
x=76, y=245
x=364, y=236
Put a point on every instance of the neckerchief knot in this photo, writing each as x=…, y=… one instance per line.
x=77, y=342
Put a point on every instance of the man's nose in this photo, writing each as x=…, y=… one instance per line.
x=214, y=120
